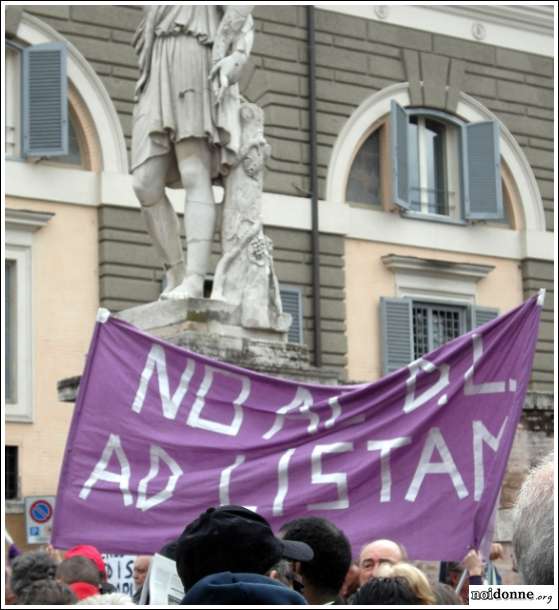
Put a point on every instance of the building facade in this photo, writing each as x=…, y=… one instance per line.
x=434, y=139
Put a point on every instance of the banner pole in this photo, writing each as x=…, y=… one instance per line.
x=541, y=297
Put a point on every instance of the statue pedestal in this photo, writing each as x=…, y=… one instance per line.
x=210, y=328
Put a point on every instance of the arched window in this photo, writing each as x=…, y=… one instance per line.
x=93, y=126
x=433, y=165
x=58, y=130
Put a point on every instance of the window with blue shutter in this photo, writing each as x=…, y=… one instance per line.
x=483, y=199
x=443, y=167
x=291, y=301
x=412, y=328
x=45, y=103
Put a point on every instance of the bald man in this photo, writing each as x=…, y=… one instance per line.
x=139, y=573
x=376, y=553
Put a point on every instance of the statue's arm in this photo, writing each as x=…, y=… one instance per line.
x=245, y=40
x=232, y=47
x=234, y=32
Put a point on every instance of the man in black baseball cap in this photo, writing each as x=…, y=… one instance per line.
x=232, y=539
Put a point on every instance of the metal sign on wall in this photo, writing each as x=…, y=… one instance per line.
x=39, y=512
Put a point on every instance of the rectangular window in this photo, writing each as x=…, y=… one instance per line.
x=18, y=317
x=435, y=157
x=18, y=394
x=435, y=325
x=443, y=167
x=412, y=328
x=11, y=473
x=428, y=190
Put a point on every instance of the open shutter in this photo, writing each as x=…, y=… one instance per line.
x=397, y=333
x=45, y=103
x=400, y=155
x=481, y=315
x=291, y=303
x=482, y=172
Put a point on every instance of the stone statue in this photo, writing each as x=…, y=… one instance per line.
x=245, y=275
x=186, y=130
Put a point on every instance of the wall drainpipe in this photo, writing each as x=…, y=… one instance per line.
x=315, y=243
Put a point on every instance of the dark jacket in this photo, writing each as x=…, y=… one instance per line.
x=227, y=588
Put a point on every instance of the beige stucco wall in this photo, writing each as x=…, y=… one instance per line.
x=65, y=300
x=367, y=279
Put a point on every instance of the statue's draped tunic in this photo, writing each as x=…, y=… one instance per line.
x=178, y=102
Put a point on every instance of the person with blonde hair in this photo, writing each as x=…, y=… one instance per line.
x=107, y=599
x=414, y=576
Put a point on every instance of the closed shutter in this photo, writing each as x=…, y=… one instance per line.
x=291, y=303
x=45, y=103
x=400, y=155
x=397, y=333
x=482, y=169
x=481, y=315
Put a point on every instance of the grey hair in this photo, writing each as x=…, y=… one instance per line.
x=532, y=540
x=78, y=569
x=47, y=593
x=30, y=567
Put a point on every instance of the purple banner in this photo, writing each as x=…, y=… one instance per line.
x=160, y=433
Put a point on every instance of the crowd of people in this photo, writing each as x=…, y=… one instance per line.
x=229, y=555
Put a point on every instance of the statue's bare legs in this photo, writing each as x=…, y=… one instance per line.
x=194, y=163
x=193, y=158
x=161, y=219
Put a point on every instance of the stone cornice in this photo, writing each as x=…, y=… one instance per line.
x=530, y=18
x=525, y=28
x=26, y=220
x=440, y=268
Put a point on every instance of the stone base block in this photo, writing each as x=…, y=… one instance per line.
x=166, y=319
x=208, y=327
